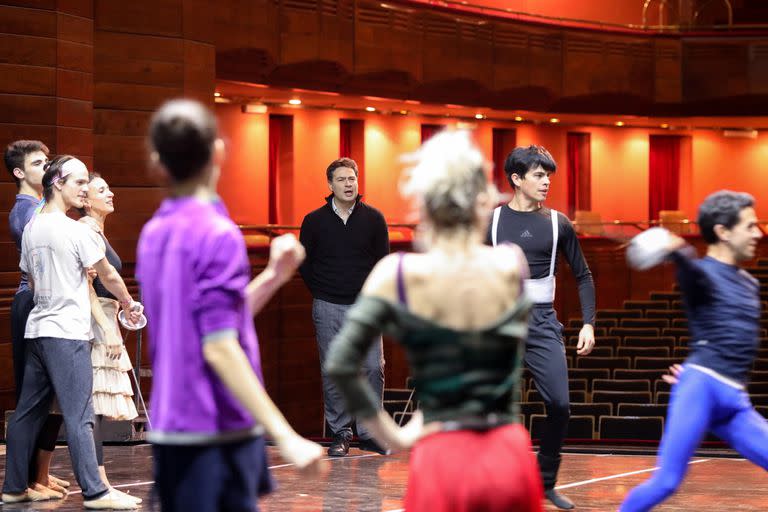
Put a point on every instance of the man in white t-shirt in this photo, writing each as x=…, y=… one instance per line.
x=56, y=251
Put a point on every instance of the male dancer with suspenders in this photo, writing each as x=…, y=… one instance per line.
x=541, y=232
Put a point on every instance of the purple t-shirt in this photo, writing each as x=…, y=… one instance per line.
x=193, y=269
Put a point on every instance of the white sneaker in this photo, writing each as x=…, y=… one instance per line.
x=111, y=500
x=127, y=496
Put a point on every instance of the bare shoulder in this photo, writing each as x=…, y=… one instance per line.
x=381, y=280
x=509, y=259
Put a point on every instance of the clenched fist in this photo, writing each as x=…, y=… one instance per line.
x=285, y=255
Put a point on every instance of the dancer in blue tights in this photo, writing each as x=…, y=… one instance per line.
x=722, y=303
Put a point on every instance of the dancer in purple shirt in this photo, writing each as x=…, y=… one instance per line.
x=209, y=407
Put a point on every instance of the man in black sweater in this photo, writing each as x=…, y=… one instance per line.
x=344, y=239
x=541, y=232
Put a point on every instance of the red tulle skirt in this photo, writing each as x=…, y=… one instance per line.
x=469, y=471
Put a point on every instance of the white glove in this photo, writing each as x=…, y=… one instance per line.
x=649, y=248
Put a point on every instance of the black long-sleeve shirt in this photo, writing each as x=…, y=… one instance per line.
x=340, y=256
x=532, y=231
x=722, y=303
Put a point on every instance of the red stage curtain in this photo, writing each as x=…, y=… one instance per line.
x=504, y=141
x=428, y=130
x=579, y=168
x=345, y=138
x=275, y=127
x=663, y=174
x=352, y=145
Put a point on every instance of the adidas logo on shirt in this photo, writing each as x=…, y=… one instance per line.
x=526, y=234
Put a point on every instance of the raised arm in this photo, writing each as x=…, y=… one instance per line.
x=285, y=255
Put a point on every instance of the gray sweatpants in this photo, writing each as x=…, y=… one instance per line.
x=328, y=319
x=63, y=367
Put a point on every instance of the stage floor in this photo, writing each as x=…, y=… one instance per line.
x=370, y=482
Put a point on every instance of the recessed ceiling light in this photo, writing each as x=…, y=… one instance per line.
x=295, y=101
x=479, y=116
x=554, y=120
x=518, y=118
x=217, y=95
x=664, y=125
x=619, y=123
x=370, y=109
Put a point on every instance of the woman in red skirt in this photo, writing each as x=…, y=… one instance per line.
x=459, y=311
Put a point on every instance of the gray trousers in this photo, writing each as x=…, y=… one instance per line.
x=328, y=319
x=63, y=367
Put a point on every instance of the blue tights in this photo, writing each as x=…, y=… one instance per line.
x=700, y=403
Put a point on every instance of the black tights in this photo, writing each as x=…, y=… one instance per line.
x=98, y=439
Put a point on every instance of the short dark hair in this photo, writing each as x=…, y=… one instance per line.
x=53, y=171
x=17, y=151
x=340, y=162
x=182, y=132
x=722, y=207
x=523, y=159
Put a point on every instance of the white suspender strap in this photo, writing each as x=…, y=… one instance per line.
x=555, y=231
x=495, y=225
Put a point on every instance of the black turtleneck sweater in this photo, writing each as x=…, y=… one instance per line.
x=340, y=256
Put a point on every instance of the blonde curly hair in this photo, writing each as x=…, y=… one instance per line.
x=446, y=176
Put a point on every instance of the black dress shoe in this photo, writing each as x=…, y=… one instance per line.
x=370, y=445
x=559, y=500
x=339, y=447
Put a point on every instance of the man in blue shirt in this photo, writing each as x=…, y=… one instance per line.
x=25, y=161
x=722, y=303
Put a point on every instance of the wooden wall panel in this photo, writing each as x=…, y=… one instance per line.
x=199, y=69
x=337, y=32
x=19, y=79
x=157, y=18
x=456, y=48
x=74, y=113
x=391, y=65
x=545, y=50
x=46, y=89
x=319, y=33
x=668, y=80
x=250, y=24
x=628, y=68
x=758, y=68
x=29, y=22
x=11, y=131
x=714, y=69
x=119, y=45
x=145, y=54
x=584, y=64
x=437, y=54
x=27, y=50
x=510, y=56
x=82, y=8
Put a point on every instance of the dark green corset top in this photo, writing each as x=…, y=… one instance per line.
x=458, y=374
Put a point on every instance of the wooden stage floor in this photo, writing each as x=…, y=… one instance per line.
x=370, y=482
